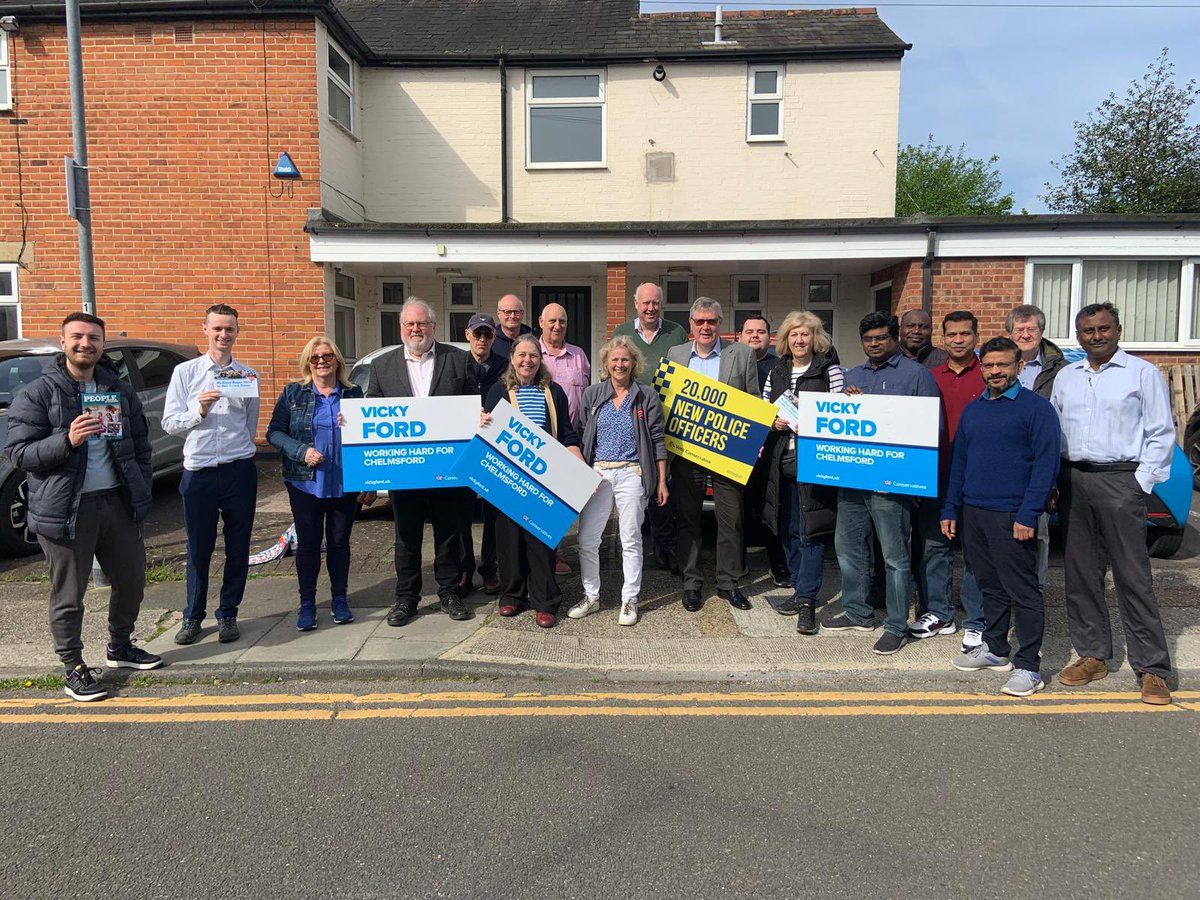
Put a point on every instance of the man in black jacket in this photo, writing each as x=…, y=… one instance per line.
x=424, y=368
x=89, y=492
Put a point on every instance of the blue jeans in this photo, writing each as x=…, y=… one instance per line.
x=889, y=513
x=804, y=557
x=935, y=572
x=226, y=493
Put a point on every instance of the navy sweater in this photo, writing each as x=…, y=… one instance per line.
x=1006, y=456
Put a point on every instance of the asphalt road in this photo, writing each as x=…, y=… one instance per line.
x=484, y=793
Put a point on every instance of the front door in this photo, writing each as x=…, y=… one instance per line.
x=577, y=301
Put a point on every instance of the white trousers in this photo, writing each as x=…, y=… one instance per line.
x=622, y=488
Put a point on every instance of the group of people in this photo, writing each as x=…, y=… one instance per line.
x=1021, y=431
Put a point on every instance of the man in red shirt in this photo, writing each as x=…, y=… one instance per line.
x=960, y=381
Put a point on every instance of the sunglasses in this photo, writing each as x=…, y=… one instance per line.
x=484, y=333
x=321, y=358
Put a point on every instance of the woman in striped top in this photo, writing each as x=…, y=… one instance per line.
x=526, y=564
x=799, y=513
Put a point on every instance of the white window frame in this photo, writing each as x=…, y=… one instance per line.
x=1187, y=297
x=755, y=99
x=449, y=308
x=833, y=298
x=13, y=299
x=6, y=96
x=387, y=309
x=600, y=101
x=690, y=281
x=736, y=305
x=341, y=85
x=351, y=304
x=875, y=289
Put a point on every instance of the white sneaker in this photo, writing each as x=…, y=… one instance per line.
x=629, y=613
x=971, y=640
x=584, y=607
x=930, y=625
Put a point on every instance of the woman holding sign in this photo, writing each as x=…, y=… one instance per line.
x=306, y=429
x=526, y=564
x=798, y=513
x=622, y=423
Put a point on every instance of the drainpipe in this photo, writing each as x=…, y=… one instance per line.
x=927, y=270
x=504, y=217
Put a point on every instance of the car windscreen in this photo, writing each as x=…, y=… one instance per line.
x=19, y=371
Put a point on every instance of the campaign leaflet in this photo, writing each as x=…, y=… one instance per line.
x=869, y=442
x=105, y=408
x=405, y=443
x=236, y=381
x=711, y=424
x=528, y=475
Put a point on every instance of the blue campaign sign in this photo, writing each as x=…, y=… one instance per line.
x=869, y=442
x=527, y=475
x=404, y=443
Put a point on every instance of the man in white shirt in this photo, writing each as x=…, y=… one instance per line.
x=1117, y=442
x=219, y=480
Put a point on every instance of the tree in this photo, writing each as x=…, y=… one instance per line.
x=940, y=181
x=1136, y=155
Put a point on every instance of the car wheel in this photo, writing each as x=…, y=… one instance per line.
x=15, y=539
x=1191, y=446
x=1163, y=543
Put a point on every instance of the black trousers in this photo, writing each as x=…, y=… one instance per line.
x=755, y=531
x=486, y=564
x=663, y=531
x=1104, y=514
x=443, y=508
x=1007, y=572
x=526, y=568
x=688, y=481
x=322, y=519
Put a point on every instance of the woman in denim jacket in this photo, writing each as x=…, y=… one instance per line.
x=306, y=429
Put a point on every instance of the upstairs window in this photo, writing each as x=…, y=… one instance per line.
x=5, y=78
x=564, y=119
x=764, y=110
x=341, y=87
x=10, y=306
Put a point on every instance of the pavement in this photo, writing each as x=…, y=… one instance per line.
x=667, y=644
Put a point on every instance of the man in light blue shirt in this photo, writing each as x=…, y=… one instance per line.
x=219, y=480
x=1117, y=443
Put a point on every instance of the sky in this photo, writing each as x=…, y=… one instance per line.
x=1010, y=78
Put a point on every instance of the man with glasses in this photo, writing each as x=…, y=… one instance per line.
x=732, y=364
x=421, y=367
x=487, y=368
x=510, y=311
x=886, y=371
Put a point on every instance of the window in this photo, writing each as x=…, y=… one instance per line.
x=1156, y=297
x=764, y=109
x=156, y=367
x=678, y=293
x=391, y=297
x=564, y=125
x=5, y=77
x=345, y=332
x=341, y=87
x=1195, y=307
x=820, y=297
x=881, y=295
x=10, y=307
x=462, y=302
x=749, y=294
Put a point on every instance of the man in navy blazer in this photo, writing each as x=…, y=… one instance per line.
x=422, y=367
x=733, y=364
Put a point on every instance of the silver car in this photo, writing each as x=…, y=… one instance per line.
x=146, y=365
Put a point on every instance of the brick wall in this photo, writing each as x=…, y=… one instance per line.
x=614, y=303
x=185, y=211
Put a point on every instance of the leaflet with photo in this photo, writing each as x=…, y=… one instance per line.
x=236, y=382
x=105, y=408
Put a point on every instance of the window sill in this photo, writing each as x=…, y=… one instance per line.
x=532, y=166
x=766, y=139
x=344, y=130
x=1068, y=345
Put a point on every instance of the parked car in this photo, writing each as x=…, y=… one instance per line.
x=147, y=365
x=1191, y=446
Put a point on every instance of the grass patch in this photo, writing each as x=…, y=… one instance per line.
x=36, y=683
x=40, y=578
x=161, y=573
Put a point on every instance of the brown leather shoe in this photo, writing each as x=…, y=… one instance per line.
x=1084, y=670
x=1154, y=690
x=491, y=586
x=545, y=619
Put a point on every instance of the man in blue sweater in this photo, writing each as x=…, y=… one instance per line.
x=1006, y=456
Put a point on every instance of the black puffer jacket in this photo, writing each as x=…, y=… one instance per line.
x=38, y=422
x=818, y=503
x=1052, y=361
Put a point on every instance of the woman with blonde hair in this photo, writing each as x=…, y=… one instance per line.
x=622, y=424
x=799, y=513
x=306, y=429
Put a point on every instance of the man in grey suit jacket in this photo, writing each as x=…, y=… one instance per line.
x=424, y=368
x=732, y=364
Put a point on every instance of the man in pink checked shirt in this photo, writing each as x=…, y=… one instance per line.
x=567, y=363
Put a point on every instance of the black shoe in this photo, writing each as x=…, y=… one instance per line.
x=890, y=643
x=735, y=597
x=781, y=577
x=401, y=613
x=806, y=618
x=82, y=685
x=692, y=601
x=666, y=560
x=786, y=606
x=131, y=657
x=189, y=632
x=453, y=606
x=842, y=622
x=228, y=632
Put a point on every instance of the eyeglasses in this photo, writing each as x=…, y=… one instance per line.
x=483, y=334
x=1030, y=330
x=511, y=312
x=705, y=321
x=318, y=358
x=876, y=339
x=410, y=326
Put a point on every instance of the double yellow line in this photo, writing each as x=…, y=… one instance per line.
x=327, y=707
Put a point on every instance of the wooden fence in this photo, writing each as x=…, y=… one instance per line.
x=1184, y=384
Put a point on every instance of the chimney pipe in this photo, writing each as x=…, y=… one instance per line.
x=717, y=26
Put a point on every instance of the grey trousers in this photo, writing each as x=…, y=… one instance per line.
x=103, y=529
x=1104, y=515
x=687, y=487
